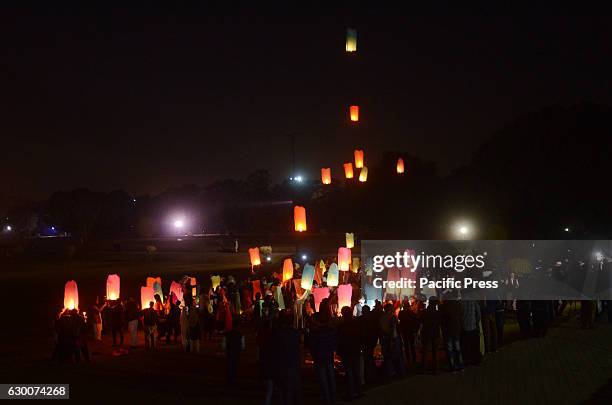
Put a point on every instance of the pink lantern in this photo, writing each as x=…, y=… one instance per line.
x=177, y=290
x=344, y=259
x=319, y=293
x=113, y=287
x=147, y=295
x=345, y=292
x=71, y=295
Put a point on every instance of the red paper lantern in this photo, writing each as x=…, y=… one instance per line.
x=299, y=217
x=254, y=256
x=354, y=113
x=326, y=175
x=344, y=259
x=71, y=295
x=358, y=158
x=348, y=170
x=400, y=166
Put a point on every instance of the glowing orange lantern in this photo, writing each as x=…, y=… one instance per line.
x=358, y=158
x=254, y=256
x=344, y=259
x=354, y=113
x=147, y=295
x=71, y=295
x=307, y=276
x=326, y=175
x=287, y=269
x=363, y=175
x=348, y=170
x=351, y=40
x=156, y=283
x=345, y=291
x=113, y=287
x=350, y=240
x=299, y=217
x=400, y=166
x=355, y=263
x=332, y=275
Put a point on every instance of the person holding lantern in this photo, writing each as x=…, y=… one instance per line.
x=132, y=315
x=96, y=318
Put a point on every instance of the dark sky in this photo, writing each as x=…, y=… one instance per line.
x=147, y=99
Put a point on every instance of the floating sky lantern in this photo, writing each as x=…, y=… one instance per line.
x=355, y=263
x=345, y=291
x=176, y=292
x=307, y=276
x=358, y=158
x=146, y=295
x=350, y=240
x=326, y=175
x=71, y=295
x=113, y=287
x=287, y=269
x=354, y=113
x=344, y=259
x=299, y=217
x=351, y=40
x=400, y=166
x=319, y=294
x=363, y=175
x=348, y=170
x=332, y=275
x=254, y=256
x=215, y=281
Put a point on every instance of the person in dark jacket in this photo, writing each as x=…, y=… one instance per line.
x=287, y=369
x=323, y=343
x=489, y=327
x=409, y=324
x=349, y=351
x=233, y=344
x=451, y=330
x=116, y=313
x=369, y=339
x=430, y=332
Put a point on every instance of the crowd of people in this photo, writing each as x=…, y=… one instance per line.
x=367, y=345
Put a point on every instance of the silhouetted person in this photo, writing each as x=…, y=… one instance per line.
x=470, y=334
x=322, y=344
x=409, y=324
x=287, y=343
x=116, y=321
x=369, y=339
x=451, y=330
x=132, y=315
x=149, y=320
x=349, y=351
x=489, y=327
x=430, y=332
x=233, y=344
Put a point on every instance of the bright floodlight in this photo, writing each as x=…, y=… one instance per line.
x=462, y=230
x=304, y=257
x=179, y=223
x=566, y=229
x=9, y=228
x=298, y=178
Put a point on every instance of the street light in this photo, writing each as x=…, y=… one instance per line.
x=463, y=230
x=8, y=228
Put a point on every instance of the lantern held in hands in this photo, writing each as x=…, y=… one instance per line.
x=363, y=175
x=307, y=276
x=71, y=295
x=344, y=259
x=215, y=281
x=350, y=240
x=348, y=170
x=358, y=158
x=354, y=113
x=287, y=269
x=147, y=295
x=254, y=256
x=299, y=217
x=113, y=287
x=326, y=175
x=351, y=40
x=400, y=166
x=177, y=290
x=345, y=291
x=332, y=275
x=319, y=294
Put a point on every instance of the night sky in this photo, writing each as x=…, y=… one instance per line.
x=147, y=99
